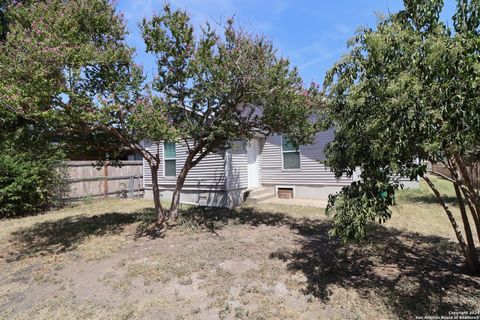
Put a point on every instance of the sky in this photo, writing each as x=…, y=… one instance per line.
x=312, y=34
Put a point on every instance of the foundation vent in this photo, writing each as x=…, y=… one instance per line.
x=285, y=193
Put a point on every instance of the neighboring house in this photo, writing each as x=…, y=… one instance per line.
x=132, y=156
x=270, y=164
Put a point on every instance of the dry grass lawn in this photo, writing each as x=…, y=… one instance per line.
x=103, y=260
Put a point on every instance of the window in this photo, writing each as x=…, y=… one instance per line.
x=290, y=153
x=169, y=159
x=238, y=147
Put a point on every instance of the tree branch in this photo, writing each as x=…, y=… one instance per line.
x=458, y=233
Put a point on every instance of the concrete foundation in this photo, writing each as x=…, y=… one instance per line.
x=411, y=184
x=307, y=192
x=213, y=198
x=233, y=198
x=322, y=192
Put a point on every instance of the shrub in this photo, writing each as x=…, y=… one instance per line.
x=30, y=182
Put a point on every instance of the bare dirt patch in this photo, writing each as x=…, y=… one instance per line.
x=97, y=261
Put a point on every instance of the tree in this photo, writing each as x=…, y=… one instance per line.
x=135, y=121
x=218, y=88
x=59, y=54
x=209, y=92
x=407, y=93
x=56, y=58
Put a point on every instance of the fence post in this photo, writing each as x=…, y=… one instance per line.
x=105, y=179
x=130, y=187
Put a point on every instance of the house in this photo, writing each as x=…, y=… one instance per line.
x=270, y=164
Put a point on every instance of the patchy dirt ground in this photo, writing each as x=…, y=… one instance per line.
x=101, y=260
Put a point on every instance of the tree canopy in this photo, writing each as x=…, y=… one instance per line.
x=406, y=94
x=55, y=57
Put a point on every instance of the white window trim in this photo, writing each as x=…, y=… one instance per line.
x=164, y=158
x=290, y=151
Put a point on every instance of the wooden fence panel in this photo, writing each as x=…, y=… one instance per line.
x=86, y=180
x=443, y=171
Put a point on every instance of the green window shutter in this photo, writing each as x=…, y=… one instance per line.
x=291, y=160
x=170, y=168
x=169, y=148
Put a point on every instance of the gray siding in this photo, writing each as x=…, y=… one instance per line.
x=229, y=170
x=209, y=174
x=237, y=166
x=311, y=172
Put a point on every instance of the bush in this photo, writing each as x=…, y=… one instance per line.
x=30, y=182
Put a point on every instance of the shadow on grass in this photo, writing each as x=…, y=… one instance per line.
x=65, y=234
x=411, y=273
x=209, y=219
x=426, y=198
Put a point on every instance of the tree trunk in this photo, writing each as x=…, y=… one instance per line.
x=471, y=253
x=468, y=183
x=456, y=228
x=470, y=195
x=474, y=213
x=161, y=219
x=173, y=212
x=189, y=164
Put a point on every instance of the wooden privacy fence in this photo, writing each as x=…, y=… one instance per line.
x=443, y=171
x=85, y=180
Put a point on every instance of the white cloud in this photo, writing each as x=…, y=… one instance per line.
x=215, y=12
x=280, y=7
x=218, y=11
x=314, y=53
x=322, y=56
x=322, y=50
x=136, y=10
